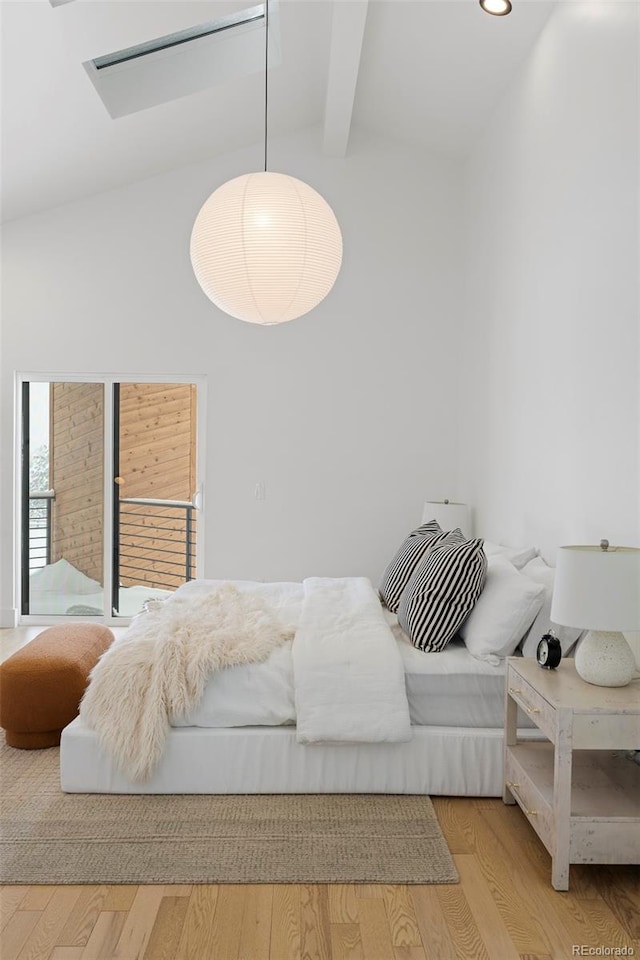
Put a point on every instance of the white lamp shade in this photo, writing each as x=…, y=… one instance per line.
x=597, y=589
x=448, y=514
x=266, y=248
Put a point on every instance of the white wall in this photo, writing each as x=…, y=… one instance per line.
x=550, y=429
x=340, y=414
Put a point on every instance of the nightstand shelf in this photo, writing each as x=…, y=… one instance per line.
x=584, y=804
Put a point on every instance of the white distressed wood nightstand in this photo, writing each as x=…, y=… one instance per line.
x=581, y=799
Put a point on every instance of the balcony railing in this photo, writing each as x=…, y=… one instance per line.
x=40, y=511
x=156, y=542
x=156, y=539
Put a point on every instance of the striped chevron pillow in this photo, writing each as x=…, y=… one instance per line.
x=399, y=571
x=442, y=592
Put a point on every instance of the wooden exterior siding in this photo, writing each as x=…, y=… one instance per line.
x=157, y=450
x=76, y=460
x=158, y=461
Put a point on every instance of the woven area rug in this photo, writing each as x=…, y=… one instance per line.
x=47, y=836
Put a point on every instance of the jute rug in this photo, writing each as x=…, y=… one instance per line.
x=47, y=836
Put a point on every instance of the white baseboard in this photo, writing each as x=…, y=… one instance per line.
x=8, y=618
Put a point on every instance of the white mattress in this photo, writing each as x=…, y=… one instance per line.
x=452, y=688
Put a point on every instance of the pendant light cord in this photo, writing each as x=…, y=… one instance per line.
x=266, y=79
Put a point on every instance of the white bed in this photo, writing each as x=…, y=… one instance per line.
x=242, y=737
x=446, y=761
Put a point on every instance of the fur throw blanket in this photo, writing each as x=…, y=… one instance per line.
x=159, y=669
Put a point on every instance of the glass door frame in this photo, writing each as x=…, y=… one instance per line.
x=108, y=380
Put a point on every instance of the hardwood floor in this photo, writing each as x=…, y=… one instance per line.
x=504, y=907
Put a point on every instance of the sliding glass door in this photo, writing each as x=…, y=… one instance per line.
x=110, y=494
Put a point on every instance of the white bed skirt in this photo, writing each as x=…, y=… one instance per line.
x=448, y=761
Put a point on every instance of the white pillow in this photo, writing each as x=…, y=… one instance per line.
x=504, y=612
x=62, y=577
x=518, y=556
x=538, y=571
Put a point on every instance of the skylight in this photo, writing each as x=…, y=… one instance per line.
x=180, y=64
x=182, y=36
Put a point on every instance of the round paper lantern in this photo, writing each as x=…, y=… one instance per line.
x=266, y=248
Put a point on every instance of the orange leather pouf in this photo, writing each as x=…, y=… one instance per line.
x=42, y=684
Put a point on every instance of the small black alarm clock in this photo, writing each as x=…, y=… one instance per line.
x=549, y=652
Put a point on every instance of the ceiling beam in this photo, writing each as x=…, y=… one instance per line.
x=347, y=31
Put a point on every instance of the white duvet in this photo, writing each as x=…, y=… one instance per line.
x=340, y=680
x=348, y=674
x=347, y=670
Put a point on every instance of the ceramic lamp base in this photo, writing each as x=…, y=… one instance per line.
x=605, y=659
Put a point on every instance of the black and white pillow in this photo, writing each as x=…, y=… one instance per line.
x=398, y=573
x=442, y=592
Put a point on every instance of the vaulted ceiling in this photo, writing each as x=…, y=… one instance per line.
x=422, y=71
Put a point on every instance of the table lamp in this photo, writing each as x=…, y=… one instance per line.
x=597, y=588
x=448, y=513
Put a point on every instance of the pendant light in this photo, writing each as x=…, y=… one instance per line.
x=265, y=247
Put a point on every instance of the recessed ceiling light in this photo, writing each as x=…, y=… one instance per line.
x=497, y=8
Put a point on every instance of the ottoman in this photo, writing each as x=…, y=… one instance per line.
x=42, y=684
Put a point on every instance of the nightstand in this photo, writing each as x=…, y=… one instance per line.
x=582, y=800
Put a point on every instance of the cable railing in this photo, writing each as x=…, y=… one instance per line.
x=40, y=514
x=156, y=542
